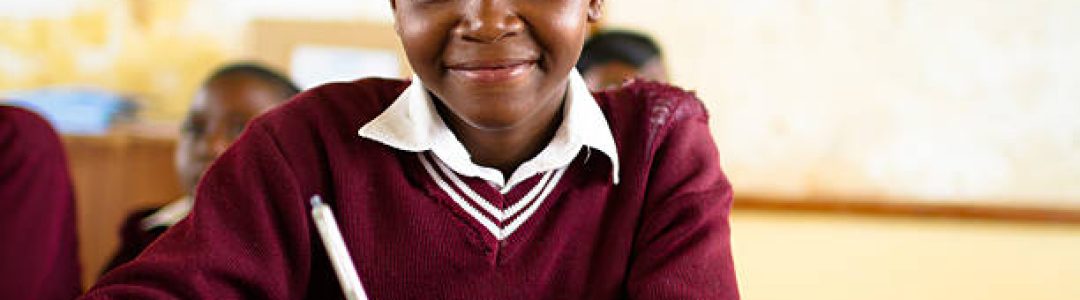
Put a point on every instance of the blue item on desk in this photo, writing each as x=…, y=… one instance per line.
x=80, y=111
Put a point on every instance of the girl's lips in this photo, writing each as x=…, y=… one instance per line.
x=492, y=72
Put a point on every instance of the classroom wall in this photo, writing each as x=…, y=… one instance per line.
x=156, y=51
x=782, y=256
x=958, y=100
x=964, y=101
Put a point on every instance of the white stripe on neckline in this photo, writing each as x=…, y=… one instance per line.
x=536, y=204
x=495, y=230
x=533, y=199
x=500, y=215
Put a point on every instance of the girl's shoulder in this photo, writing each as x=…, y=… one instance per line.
x=336, y=106
x=649, y=107
x=655, y=101
x=363, y=97
x=27, y=129
x=14, y=116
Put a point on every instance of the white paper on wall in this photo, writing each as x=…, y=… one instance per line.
x=312, y=65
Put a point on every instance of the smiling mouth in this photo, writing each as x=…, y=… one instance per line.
x=492, y=71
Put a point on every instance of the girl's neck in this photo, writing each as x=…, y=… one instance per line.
x=506, y=149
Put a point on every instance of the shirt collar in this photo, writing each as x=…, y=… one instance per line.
x=413, y=124
x=168, y=215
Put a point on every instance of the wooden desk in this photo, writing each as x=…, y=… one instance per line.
x=130, y=168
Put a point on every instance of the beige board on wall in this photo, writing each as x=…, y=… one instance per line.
x=276, y=41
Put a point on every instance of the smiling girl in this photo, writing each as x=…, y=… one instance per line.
x=492, y=174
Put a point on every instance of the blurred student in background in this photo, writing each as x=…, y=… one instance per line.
x=609, y=58
x=38, y=246
x=229, y=98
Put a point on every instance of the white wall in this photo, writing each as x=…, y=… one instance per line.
x=918, y=100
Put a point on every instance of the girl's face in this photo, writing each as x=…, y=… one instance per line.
x=495, y=64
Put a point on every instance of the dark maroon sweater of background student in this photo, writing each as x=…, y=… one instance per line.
x=661, y=233
x=38, y=254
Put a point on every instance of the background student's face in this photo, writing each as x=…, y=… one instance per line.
x=217, y=117
x=495, y=64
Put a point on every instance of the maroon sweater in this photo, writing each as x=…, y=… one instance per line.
x=661, y=233
x=38, y=253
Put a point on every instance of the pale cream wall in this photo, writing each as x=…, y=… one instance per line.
x=956, y=100
x=783, y=256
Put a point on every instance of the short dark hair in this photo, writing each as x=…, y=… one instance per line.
x=257, y=71
x=632, y=48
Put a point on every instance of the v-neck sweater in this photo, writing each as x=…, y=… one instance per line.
x=661, y=233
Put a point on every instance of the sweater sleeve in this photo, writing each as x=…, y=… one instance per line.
x=38, y=245
x=683, y=248
x=246, y=238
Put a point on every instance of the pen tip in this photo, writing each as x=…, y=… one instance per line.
x=316, y=200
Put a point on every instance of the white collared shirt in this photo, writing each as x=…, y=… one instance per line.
x=412, y=124
x=168, y=215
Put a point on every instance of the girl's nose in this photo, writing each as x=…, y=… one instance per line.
x=489, y=21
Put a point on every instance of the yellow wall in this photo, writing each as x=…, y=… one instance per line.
x=157, y=51
x=783, y=256
x=152, y=52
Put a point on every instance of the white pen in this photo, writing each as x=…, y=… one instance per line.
x=335, y=249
